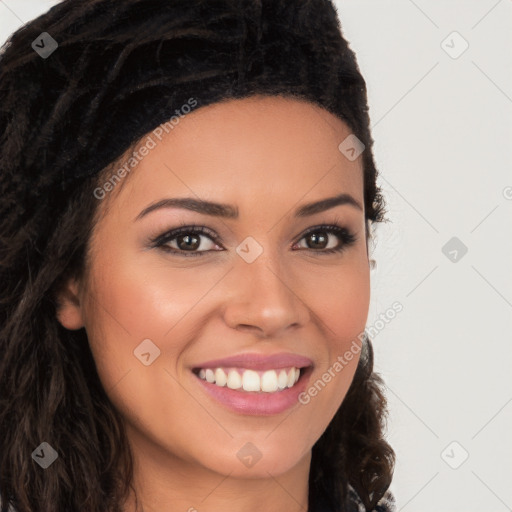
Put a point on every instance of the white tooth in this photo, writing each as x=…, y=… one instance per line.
x=234, y=380
x=269, y=381
x=202, y=374
x=282, y=379
x=251, y=381
x=291, y=377
x=210, y=376
x=297, y=374
x=220, y=377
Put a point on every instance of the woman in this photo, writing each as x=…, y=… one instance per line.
x=187, y=195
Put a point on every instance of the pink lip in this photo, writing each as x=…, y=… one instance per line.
x=255, y=361
x=257, y=403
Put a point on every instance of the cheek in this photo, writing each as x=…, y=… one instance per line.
x=134, y=300
x=341, y=300
x=131, y=303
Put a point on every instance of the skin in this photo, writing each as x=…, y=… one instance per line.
x=267, y=156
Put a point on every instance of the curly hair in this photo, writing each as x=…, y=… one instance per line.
x=121, y=69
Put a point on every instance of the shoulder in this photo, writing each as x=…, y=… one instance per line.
x=385, y=504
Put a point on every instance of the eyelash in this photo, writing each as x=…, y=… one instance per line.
x=346, y=236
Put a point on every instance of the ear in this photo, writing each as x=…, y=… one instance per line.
x=69, y=309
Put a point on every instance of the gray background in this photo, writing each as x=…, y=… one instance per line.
x=442, y=124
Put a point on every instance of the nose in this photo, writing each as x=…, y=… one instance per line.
x=263, y=297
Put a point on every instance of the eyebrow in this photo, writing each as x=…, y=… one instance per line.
x=231, y=212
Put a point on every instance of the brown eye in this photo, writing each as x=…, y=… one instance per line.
x=319, y=240
x=190, y=242
x=187, y=241
x=322, y=239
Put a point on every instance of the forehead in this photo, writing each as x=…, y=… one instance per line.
x=244, y=151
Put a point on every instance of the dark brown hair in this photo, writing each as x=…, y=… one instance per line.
x=121, y=69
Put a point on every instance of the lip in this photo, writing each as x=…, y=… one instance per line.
x=256, y=403
x=258, y=361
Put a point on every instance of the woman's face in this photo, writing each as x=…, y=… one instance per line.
x=157, y=309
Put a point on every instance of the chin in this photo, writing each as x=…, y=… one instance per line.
x=258, y=458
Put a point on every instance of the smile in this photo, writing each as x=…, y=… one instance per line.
x=246, y=380
x=254, y=401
